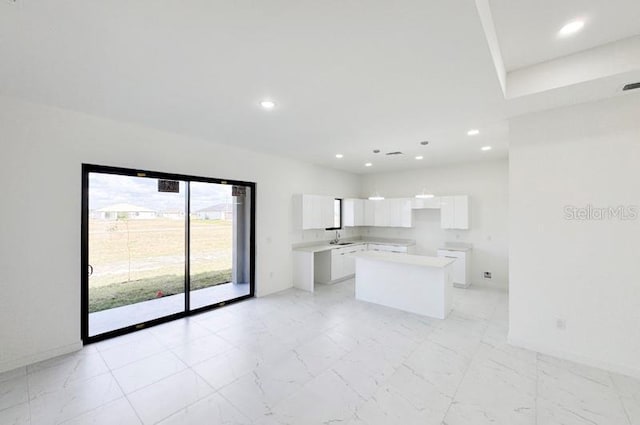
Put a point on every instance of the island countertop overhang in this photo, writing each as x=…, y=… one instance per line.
x=409, y=259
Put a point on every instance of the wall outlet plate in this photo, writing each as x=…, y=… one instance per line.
x=487, y=275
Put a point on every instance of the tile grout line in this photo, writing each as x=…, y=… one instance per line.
x=126, y=397
x=537, y=388
x=26, y=376
x=617, y=390
x=119, y=386
x=464, y=375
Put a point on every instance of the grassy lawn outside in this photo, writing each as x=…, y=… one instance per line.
x=134, y=259
x=131, y=250
x=135, y=291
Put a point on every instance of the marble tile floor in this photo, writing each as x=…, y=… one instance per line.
x=323, y=358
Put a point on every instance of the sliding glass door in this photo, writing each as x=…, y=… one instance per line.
x=219, y=227
x=158, y=246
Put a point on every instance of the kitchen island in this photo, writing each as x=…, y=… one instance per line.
x=327, y=263
x=413, y=283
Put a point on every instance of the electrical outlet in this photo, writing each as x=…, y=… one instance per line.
x=487, y=275
x=561, y=324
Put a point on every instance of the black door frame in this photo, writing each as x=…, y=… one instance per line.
x=84, y=260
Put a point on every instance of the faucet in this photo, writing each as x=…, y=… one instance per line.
x=337, y=239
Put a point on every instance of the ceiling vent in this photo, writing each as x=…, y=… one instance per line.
x=632, y=86
x=393, y=153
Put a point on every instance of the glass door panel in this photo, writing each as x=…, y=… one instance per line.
x=219, y=243
x=136, y=251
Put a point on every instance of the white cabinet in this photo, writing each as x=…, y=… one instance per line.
x=405, y=215
x=334, y=264
x=313, y=211
x=343, y=263
x=394, y=212
x=461, y=212
x=353, y=212
x=454, y=212
x=430, y=203
x=369, y=212
x=461, y=267
x=381, y=213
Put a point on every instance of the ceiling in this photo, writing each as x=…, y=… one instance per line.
x=528, y=30
x=347, y=76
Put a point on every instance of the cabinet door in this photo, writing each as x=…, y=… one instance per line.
x=327, y=210
x=461, y=212
x=459, y=271
x=353, y=212
x=395, y=212
x=459, y=267
x=430, y=203
x=381, y=215
x=337, y=265
x=406, y=214
x=447, y=212
x=369, y=212
x=311, y=214
x=349, y=213
x=358, y=212
x=349, y=262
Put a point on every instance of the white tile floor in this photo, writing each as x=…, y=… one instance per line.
x=323, y=358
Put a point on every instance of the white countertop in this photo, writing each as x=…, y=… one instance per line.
x=453, y=246
x=414, y=260
x=449, y=248
x=326, y=246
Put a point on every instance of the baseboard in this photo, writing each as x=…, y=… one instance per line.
x=7, y=365
x=577, y=358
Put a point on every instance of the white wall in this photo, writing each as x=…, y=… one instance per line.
x=584, y=272
x=42, y=149
x=487, y=185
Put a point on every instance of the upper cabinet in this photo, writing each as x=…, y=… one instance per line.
x=429, y=203
x=454, y=212
x=384, y=213
x=314, y=211
x=369, y=212
x=353, y=212
x=317, y=212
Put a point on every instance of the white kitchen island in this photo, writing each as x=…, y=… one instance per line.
x=414, y=283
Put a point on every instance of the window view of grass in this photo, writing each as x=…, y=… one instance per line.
x=140, y=259
x=119, y=294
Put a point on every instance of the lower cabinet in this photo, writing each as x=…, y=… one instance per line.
x=461, y=266
x=343, y=262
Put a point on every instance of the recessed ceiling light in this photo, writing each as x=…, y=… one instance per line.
x=368, y=164
x=376, y=198
x=339, y=155
x=486, y=148
x=419, y=157
x=268, y=104
x=473, y=132
x=571, y=28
